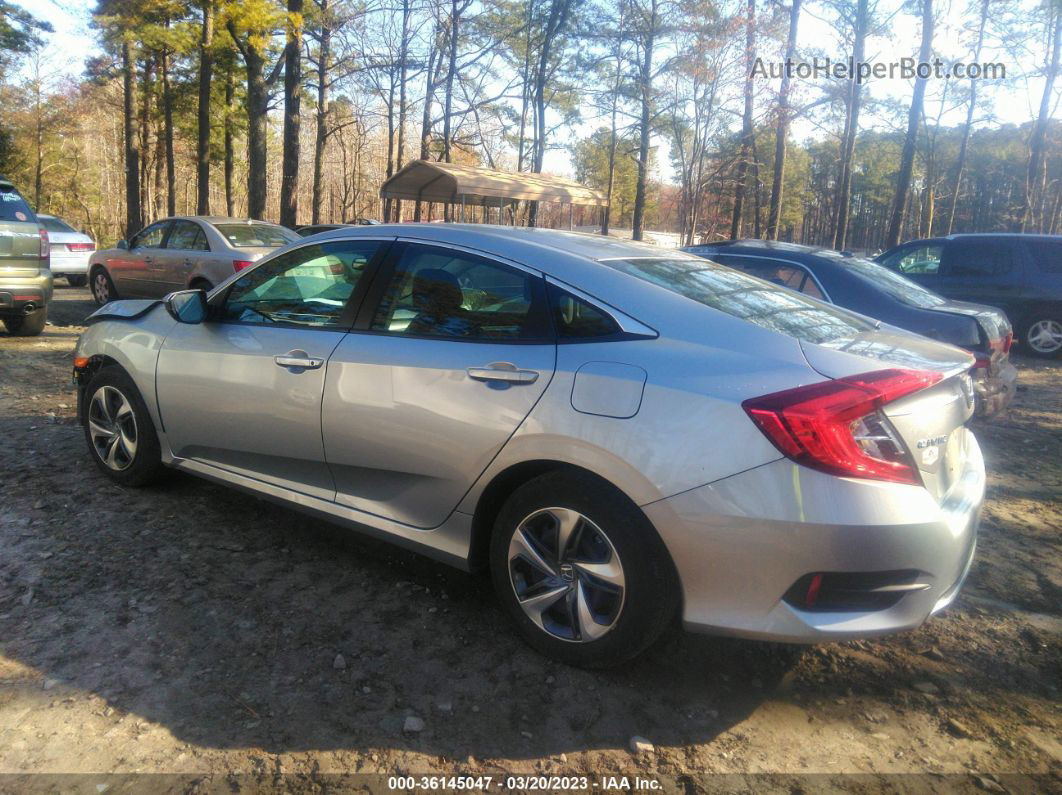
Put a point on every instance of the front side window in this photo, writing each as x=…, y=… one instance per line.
x=187, y=236
x=743, y=296
x=923, y=259
x=151, y=237
x=309, y=286
x=439, y=292
x=256, y=235
x=978, y=258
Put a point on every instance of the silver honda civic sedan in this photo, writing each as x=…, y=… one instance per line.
x=620, y=434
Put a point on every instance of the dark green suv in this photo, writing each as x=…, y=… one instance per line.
x=25, y=279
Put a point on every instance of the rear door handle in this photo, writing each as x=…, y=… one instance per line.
x=503, y=371
x=298, y=359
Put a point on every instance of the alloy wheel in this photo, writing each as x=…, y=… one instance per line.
x=1045, y=336
x=566, y=574
x=101, y=290
x=112, y=428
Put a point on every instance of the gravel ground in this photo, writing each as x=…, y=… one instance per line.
x=187, y=629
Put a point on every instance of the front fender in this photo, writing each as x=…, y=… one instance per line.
x=132, y=336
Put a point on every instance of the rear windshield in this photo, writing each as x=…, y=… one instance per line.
x=256, y=235
x=13, y=207
x=55, y=225
x=891, y=283
x=771, y=306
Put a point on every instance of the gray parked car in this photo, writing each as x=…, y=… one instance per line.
x=619, y=434
x=176, y=253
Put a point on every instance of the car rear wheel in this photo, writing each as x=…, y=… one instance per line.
x=1043, y=336
x=581, y=570
x=118, y=428
x=27, y=325
x=76, y=280
x=103, y=291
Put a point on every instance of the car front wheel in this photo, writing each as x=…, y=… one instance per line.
x=1043, y=336
x=118, y=428
x=76, y=280
x=103, y=291
x=581, y=570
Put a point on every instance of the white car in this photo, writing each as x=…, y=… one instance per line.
x=70, y=250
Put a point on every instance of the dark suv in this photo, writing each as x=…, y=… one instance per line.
x=25, y=279
x=1020, y=274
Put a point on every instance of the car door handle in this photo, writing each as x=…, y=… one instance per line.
x=298, y=359
x=503, y=371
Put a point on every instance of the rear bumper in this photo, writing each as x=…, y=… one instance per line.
x=18, y=291
x=74, y=264
x=995, y=390
x=739, y=544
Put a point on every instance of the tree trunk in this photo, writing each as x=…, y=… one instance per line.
x=167, y=120
x=645, y=78
x=451, y=73
x=960, y=166
x=747, y=132
x=230, y=92
x=144, y=132
x=133, y=219
x=321, y=127
x=425, y=118
x=289, y=180
x=202, y=149
x=403, y=79
x=1036, y=142
x=903, y=179
x=855, y=92
x=775, y=211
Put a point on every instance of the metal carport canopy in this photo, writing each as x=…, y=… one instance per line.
x=426, y=180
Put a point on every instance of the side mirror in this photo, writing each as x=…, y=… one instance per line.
x=123, y=244
x=187, y=306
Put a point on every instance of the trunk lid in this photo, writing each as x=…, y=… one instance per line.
x=931, y=422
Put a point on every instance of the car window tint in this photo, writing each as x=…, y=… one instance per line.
x=187, y=236
x=781, y=273
x=309, y=286
x=1046, y=254
x=256, y=235
x=13, y=207
x=55, y=225
x=918, y=259
x=437, y=292
x=743, y=296
x=978, y=258
x=575, y=318
x=151, y=237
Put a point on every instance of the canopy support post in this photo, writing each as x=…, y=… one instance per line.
x=462, y=208
x=571, y=216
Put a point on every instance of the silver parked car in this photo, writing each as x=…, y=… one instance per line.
x=176, y=253
x=618, y=433
x=70, y=250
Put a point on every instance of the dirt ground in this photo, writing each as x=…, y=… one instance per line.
x=186, y=629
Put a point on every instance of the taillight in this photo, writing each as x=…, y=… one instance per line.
x=1003, y=343
x=982, y=361
x=80, y=246
x=240, y=264
x=836, y=426
x=46, y=250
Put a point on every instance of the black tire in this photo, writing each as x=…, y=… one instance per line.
x=1040, y=334
x=27, y=325
x=76, y=280
x=650, y=595
x=103, y=291
x=144, y=465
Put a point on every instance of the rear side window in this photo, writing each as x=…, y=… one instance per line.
x=1046, y=255
x=187, y=236
x=978, y=258
x=13, y=207
x=780, y=273
x=575, y=318
x=743, y=296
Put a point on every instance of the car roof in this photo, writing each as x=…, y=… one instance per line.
x=580, y=244
x=217, y=219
